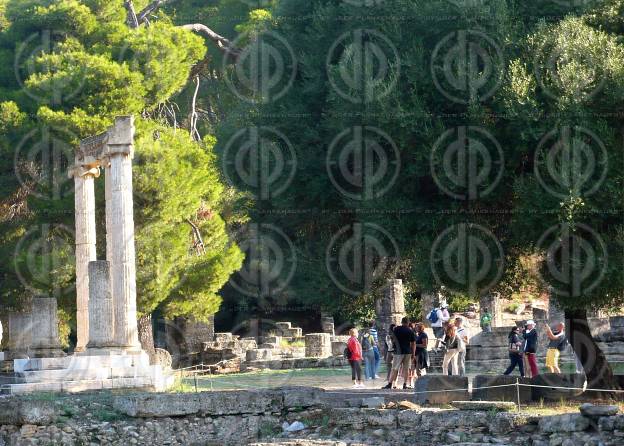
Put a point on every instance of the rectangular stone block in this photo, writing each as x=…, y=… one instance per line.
x=440, y=389
x=500, y=393
x=548, y=383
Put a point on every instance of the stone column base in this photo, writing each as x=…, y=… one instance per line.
x=47, y=353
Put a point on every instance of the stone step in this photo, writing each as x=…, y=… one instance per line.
x=77, y=386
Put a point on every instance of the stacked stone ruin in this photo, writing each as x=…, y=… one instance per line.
x=389, y=308
x=107, y=353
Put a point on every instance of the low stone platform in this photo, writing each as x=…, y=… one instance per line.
x=296, y=363
x=550, y=386
x=440, y=389
x=81, y=373
x=479, y=392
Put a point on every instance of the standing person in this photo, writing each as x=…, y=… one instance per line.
x=530, y=347
x=515, y=352
x=404, y=354
x=354, y=355
x=486, y=321
x=462, y=334
x=390, y=348
x=368, y=343
x=437, y=319
x=421, y=361
x=556, y=345
x=451, y=343
x=374, y=333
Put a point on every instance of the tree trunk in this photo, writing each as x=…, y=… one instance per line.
x=597, y=369
x=146, y=336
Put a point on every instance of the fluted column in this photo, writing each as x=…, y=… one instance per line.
x=120, y=232
x=45, y=334
x=84, y=204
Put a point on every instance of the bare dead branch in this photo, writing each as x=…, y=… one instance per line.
x=198, y=242
x=222, y=43
x=131, y=17
x=194, y=117
x=142, y=15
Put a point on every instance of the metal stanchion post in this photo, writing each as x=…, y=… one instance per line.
x=518, y=392
x=195, y=379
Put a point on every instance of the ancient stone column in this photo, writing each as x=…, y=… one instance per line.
x=19, y=334
x=45, y=334
x=120, y=232
x=492, y=302
x=390, y=309
x=85, y=246
x=427, y=303
x=327, y=324
x=101, y=320
x=318, y=345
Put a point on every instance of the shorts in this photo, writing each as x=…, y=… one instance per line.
x=552, y=357
x=438, y=332
x=405, y=360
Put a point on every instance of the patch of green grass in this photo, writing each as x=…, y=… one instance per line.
x=286, y=344
x=108, y=415
x=268, y=430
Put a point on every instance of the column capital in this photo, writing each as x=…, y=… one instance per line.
x=82, y=171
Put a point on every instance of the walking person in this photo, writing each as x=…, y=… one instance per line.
x=354, y=355
x=530, y=348
x=556, y=345
x=451, y=343
x=368, y=343
x=390, y=348
x=462, y=334
x=437, y=318
x=486, y=321
x=375, y=335
x=515, y=352
x=404, y=354
x=421, y=361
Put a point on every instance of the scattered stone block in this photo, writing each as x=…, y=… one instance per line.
x=500, y=393
x=259, y=354
x=484, y=405
x=373, y=401
x=444, y=389
x=570, y=422
x=596, y=411
x=549, y=383
x=338, y=348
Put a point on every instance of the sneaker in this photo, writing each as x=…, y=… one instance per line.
x=387, y=386
x=355, y=386
x=362, y=386
x=377, y=377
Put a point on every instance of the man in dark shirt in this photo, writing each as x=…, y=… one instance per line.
x=405, y=341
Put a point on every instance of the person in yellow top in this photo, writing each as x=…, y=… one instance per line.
x=556, y=345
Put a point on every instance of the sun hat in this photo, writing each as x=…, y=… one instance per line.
x=530, y=322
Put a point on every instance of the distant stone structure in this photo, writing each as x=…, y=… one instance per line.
x=45, y=336
x=492, y=302
x=327, y=324
x=390, y=308
x=318, y=345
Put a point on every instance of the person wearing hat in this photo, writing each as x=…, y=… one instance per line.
x=438, y=318
x=530, y=347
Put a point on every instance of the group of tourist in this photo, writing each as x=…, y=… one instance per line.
x=406, y=348
x=523, y=348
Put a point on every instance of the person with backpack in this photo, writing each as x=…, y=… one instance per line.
x=374, y=333
x=353, y=353
x=515, y=352
x=557, y=344
x=486, y=321
x=368, y=344
x=451, y=345
x=437, y=317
